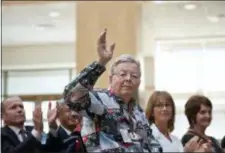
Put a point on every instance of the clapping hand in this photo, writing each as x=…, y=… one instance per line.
x=52, y=116
x=37, y=119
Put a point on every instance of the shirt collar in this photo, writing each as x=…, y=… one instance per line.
x=66, y=130
x=155, y=131
x=16, y=129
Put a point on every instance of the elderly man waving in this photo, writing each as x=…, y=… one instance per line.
x=119, y=123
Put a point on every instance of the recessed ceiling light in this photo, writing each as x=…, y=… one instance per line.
x=190, y=6
x=158, y=2
x=213, y=19
x=54, y=14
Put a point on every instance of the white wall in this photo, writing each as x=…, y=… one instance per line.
x=38, y=56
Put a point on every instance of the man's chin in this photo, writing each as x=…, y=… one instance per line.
x=19, y=122
x=127, y=93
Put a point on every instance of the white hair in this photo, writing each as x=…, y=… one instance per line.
x=125, y=58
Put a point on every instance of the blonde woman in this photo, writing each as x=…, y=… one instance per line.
x=160, y=113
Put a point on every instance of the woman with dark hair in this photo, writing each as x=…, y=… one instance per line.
x=160, y=113
x=198, y=110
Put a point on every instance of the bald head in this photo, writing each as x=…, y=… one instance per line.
x=13, y=111
x=10, y=100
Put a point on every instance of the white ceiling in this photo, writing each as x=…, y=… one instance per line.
x=19, y=23
x=168, y=19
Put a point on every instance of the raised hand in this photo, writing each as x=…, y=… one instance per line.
x=37, y=119
x=105, y=54
x=52, y=116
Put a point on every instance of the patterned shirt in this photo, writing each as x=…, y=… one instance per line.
x=109, y=125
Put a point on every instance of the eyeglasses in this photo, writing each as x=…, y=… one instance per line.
x=123, y=75
x=161, y=105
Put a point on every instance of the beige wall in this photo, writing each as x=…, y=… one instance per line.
x=121, y=19
x=38, y=56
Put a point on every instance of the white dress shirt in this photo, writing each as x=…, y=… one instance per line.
x=16, y=130
x=68, y=132
x=173, y=145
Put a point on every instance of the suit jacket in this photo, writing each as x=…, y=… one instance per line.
x=11, y=143
x=223, y=143
x=69, y=141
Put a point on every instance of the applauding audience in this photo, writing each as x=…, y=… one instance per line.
x=160, y=112
x=223, y=143
x=17, y=138
x=69, y=129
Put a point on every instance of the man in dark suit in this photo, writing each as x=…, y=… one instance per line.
x=17, y=138
x=223, y=144
x=69, y=130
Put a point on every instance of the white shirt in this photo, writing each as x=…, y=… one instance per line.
x=16, y=130
x=174, y=145
x=68, y=132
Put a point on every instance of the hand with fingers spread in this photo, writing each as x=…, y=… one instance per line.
x=105, y=54
x=52, y=116
x=37, y=119
x=193, y=144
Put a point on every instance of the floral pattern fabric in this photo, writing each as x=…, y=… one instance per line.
x=109, y=124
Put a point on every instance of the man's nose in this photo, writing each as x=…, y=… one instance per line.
x=20, y=110
x=128, y=77
x=75, y=115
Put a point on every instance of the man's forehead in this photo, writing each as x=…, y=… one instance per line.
x=127, y=67
x=14, y=99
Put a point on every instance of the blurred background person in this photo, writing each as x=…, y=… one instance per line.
x=198, y=110
x=160, y=112
x=223, y=143
x=19, y=138
x=69, y=129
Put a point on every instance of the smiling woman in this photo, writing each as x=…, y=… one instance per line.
x=198, y=110
x=160, y=113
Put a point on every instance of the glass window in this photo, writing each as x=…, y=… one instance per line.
x=44, y=106
x=29, y=123
x=38, y=82
x=214, y=71
x=178, y=71
x=46, y=128
x=29, y=108
x=179, y=130
x=217, y=125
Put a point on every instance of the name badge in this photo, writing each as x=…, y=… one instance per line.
x=129, y=137
x=125, y=135
x=134, y=136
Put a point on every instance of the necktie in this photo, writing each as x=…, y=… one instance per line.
x=23, y=134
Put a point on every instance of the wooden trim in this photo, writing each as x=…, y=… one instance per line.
x=12, y=3
x=40, y=98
